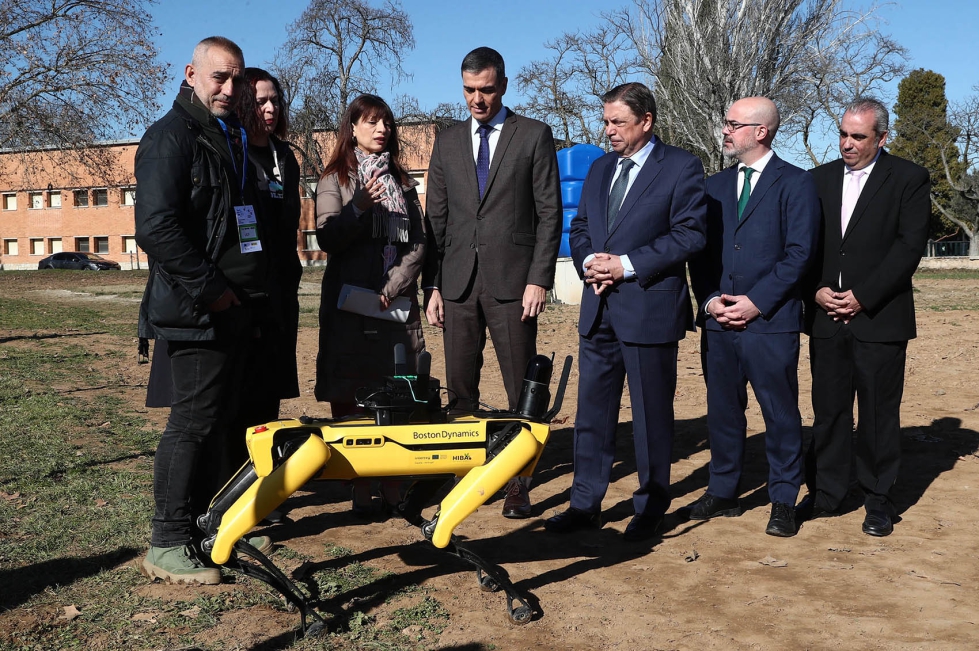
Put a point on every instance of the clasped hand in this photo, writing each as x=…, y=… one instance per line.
x=841, y=306
x=733, y=312
x=603, y=271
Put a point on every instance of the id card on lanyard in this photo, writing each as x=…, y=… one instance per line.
x=245, y=218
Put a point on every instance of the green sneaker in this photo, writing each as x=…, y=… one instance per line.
x=178, y=565
x=263, y=544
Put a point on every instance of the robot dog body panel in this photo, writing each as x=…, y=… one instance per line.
x=484, y=452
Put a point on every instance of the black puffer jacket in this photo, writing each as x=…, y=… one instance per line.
x=184, y=200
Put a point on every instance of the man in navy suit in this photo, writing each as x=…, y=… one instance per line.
x=641, y=217
x=875, y=210
x=762, y=229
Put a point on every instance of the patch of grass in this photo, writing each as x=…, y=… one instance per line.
x=947, y=274
x=428, y=613
x=21, y=314
x=333, y=582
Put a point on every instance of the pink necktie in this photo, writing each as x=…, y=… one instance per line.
x=850, y=198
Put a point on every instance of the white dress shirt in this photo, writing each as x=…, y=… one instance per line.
x=639, y=159
x=495, y=123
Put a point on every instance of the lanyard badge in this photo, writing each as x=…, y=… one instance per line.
x=244, y=215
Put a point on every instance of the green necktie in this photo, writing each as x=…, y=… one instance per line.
x=745, y=191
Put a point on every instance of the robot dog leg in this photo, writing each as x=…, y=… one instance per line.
x=252, y=494
x=515, y=450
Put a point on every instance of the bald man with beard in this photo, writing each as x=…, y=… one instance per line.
x=762, y=227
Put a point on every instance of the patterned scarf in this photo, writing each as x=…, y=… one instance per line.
x=391, y=212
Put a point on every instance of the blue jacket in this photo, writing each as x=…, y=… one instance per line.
x=765, y=255
x=660, y=225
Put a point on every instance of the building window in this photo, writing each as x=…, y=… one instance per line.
x=37, y=246
x=418, y=177
x=101, y=245
x=129, y=196
x=54, y=245
x=54, y=199
x=129, y=244
x=10, y=201
x=81, y=198
x=81, y=244
x=10, y=247
x=309, y=237
x=101, y=196
x=35, y=200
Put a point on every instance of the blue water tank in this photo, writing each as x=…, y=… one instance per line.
x=573, y=162
x=565, y=250
x=569, y=214
x=571, y=193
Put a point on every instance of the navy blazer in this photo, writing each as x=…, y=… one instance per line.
x=660, y=225
x=765, y=254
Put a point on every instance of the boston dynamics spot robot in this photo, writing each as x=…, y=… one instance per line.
x=410, y=437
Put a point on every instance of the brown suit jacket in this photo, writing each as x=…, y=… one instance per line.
x=514, y=231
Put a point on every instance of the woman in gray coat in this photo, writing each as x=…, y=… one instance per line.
x=369, y=221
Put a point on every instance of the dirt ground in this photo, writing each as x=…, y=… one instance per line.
x=721, y=584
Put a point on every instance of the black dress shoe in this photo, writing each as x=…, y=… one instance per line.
x=809, y=510
x=573, y=520
x=782, y=522
x=517, y=503
x=709, y=506
x=877, y=523
x=643, y=527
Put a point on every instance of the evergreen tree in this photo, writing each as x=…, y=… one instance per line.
x=923, y=132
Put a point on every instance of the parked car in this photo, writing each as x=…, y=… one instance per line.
x=77, y=260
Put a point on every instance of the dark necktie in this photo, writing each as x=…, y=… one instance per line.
x=483, y=158
x=617, y=194
x=745, y=191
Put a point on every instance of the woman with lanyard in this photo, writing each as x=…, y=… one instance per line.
x=369, y=220
x=261, y=109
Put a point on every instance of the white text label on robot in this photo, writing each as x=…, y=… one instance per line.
x=447, y=434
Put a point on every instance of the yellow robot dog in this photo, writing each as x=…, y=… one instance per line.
x=410, y=437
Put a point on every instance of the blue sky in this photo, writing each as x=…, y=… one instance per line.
x=940, y=35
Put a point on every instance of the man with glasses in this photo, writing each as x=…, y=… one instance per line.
x=762, y=227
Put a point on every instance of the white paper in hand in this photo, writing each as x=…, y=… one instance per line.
x=363, y=301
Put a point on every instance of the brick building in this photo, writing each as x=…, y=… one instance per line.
x=50, y=202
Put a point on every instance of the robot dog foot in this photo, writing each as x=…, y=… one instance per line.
x=492, y=578
x=266, y=572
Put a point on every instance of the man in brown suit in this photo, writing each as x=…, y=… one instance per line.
x=494, y=204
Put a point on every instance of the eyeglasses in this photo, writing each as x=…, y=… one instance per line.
x=731, y=125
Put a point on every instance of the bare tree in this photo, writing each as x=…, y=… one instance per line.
x=336, y=50
x=964, y=211
x=564, y=90
x=857, y=61
x=75, y=72
x=705, y=54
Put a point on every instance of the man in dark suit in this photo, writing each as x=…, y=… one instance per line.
x=875, y=226
x=762, y=229
x=494, y=205
x=640, y=218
